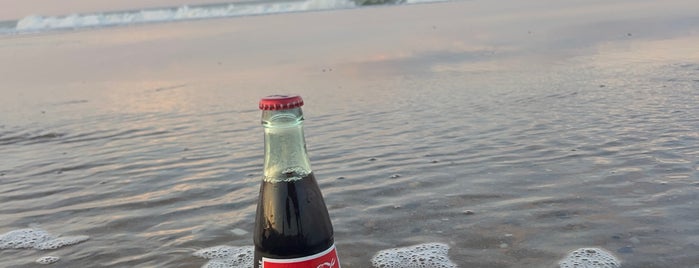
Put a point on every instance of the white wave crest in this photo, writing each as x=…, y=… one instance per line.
x=77, y=21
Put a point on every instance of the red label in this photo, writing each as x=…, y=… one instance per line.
x=325, y=259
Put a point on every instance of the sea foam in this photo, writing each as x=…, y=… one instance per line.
x=48, y=260
x=38, y=23
x=590, y=258
x=227, y=256
x=38, y=239
x=24, y=238
x=429, y=255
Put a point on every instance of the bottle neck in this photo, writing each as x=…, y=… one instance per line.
x=286, y=158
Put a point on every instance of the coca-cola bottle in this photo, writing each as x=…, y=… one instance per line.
x=292, y=226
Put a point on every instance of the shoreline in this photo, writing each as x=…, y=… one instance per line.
x=512, y=132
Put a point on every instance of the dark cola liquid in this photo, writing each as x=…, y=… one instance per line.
x=292, y=220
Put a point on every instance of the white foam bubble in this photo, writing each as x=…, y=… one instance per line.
x=24, y=238
x=47, y=260
x=429, y=255
x=61, y=242
x=590, y=258
x=37, y=238
x=227, y=256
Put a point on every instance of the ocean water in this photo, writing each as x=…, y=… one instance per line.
x=512, y=134
x=37, y=23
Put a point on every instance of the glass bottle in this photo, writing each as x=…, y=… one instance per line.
x=292, y=225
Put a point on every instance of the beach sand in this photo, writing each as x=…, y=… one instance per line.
x=558, y=124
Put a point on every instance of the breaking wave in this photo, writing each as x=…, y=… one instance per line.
x=36, y=23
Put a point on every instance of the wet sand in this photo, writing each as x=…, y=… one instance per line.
x=514, y=131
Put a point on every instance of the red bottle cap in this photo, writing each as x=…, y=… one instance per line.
x=280, y=102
